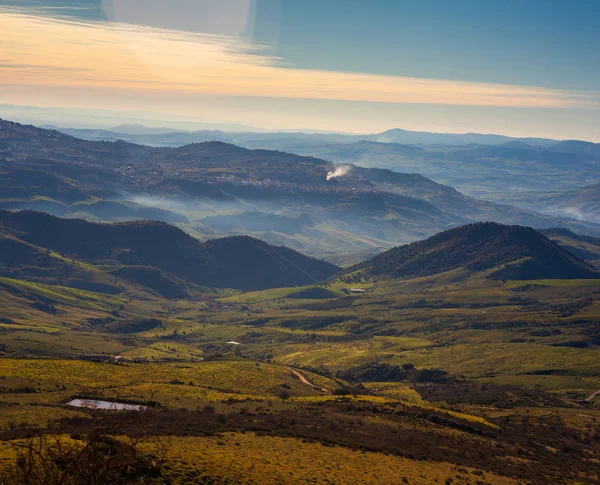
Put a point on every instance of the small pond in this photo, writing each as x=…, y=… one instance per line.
x=111, y=406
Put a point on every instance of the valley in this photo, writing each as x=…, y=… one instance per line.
x=419, y=370
x=215, y=189
x=157, y=308
x=475, y=164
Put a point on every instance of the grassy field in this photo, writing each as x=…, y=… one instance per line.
x=322, y=292
x=533, y=333
x=67, y=296
x=249, y=458
x=516, y=359
x=174, y=384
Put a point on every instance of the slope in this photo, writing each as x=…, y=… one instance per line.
x=476, y=170
x=365, y=209
x=584, y=247
x=583, y=203
x=241, y=263
x=514, y=252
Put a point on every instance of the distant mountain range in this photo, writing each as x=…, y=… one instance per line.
x=474, y=163
x=500, y=173
x=48, y=117
x=216, y=189
x=134, y=129
x=426, y=138
x=511, y=252
x=172, y=137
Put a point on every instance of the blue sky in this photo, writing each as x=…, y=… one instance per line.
x=543, y=45
x=550, y=43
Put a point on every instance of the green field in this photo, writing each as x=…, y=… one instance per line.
x=222, y=372
x=67, y=296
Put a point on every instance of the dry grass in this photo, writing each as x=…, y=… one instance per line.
x=252, y=459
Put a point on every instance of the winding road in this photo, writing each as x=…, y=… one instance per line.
x=304, y=380
x=591, y=397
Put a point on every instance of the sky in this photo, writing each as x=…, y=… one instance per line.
x=512, y=67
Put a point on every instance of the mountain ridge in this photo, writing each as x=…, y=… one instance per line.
x=362, y=209
x=524, y=253
x=392, y=135
x=242, y=263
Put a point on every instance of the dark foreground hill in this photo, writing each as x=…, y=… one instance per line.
x=237, y=262
x=526, y=253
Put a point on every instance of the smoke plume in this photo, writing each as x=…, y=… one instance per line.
x=338, y=172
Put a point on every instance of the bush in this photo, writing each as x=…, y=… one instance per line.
x=100, y=459
x=342, y=391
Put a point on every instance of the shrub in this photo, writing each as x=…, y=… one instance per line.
x=100, y=459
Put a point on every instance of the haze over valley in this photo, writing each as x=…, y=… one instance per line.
x=214, y=189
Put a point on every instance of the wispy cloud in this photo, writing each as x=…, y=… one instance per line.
x=42, y=51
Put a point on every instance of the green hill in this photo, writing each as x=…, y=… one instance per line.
x=527, y=254
x=238, y=262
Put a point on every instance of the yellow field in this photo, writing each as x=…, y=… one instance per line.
x=68, y=296
x=252, y=459
x=172, y=383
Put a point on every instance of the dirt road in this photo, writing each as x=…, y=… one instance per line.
x=591, y=397
x=304, y=380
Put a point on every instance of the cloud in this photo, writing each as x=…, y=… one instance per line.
x=223, y=17
x=50, y=52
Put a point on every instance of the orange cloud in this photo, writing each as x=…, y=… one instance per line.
x=40, y=51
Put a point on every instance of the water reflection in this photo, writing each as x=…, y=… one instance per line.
x=106, y=405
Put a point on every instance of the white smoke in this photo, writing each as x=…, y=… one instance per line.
x=573, y=213
x=338, y=172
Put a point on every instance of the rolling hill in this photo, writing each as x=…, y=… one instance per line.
x=474, y=163
x=237, y=262
x=476, y=170
x=217, y=189
x=514, y=252
x=170, y=137
x=583, y=203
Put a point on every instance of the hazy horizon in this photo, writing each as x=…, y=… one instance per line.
x=65, y=118
x=497, y=68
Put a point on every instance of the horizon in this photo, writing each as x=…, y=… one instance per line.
x=175, y=126
x=333, y=67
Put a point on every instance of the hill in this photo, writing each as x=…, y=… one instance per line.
x=592, y=150
x=209, y=188
x=477, y=170
x=583, y=203
x=115, y=181
x=584, y=247
x=526, y=254
x=247, y=137
x=237, y=262
x=398, y=135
